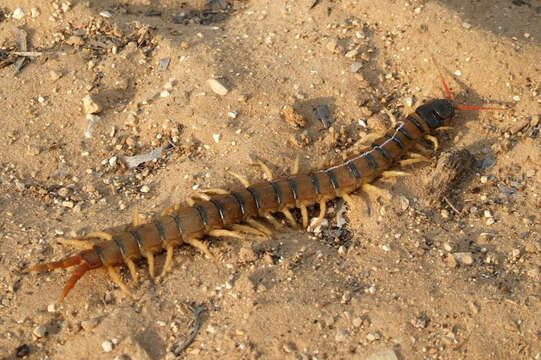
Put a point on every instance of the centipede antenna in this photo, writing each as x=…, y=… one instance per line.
x=447, y=91
x=473, y=107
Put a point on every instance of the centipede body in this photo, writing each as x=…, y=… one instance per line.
x=230, y=213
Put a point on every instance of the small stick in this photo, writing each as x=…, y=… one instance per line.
x=451, y=205
x=197, y=310
x=26, y=53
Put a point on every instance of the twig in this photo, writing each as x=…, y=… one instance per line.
x=26, y=53
x=197, y=310
x=451, y=205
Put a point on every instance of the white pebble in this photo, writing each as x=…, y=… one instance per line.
x=216, y=138
x=34, y=12
x=488, y=214
x=516, y=98
x=144, y=189
x=386, y=247
x=165, y=94
x=409, y=101
x=217, y=87
x=40, y=331
x=233, y=114
x=106, y=14
x=107, y=346
x=18, y=14
x=112, y=161
x=458, y=72
x=51, y=308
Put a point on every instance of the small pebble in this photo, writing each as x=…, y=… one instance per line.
x=458, y=72
x=373, y=336
x=341, y=335
x=106, y=14
x=355, y=67
x=290, y=347
x=18, y=14
x=216, y=138
x=34, y=12
x=51, y=308
x=40, y=331
x=352, y=53
x=385, y=247
x=107, y=346
x=165, y=93
x=488, y=214
x=144, y=189
x=91, y=106
x=233, y=114
x=342, y=250
x=516, y=98
x=383, y=355
x=212, y=329
x=466, y=25
x=464, y=258
x=217, y=87
x=89, y=324
x=490, y=221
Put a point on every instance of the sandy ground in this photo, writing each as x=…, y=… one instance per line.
x=412, y=277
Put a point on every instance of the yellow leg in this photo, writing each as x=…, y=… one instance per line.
x=347, y=198
x=116, y=278
x=370, y=138
x=322, y=212
x=259, y=226
x=244, y=181
x=201, y=195
x=171, y=209
x=273, y=221
x=227, y=233
x=136, y=219
x=77, y=243
x=200, y=246
x=443, y=128
x=248, y=230
x=394, y=173
x=133, y=270
x=215, y=191
x=190, y=201
x=296, y=165
x=433, y=140
x=100, y=235
x=304, y=213
x=374, y=190
x=407, y=162
x=266, y=170
x=290, y=218
x=422, y=149
x=391, y=117
x=150, y=260
x=168, y=259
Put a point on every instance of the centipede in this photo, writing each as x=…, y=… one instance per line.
x=247, y=210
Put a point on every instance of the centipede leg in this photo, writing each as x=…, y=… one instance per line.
x=168, y=259
x=76, y=243
x=243, y=180
x=259, y=227
x=394, y=173
x=304, y=214
x=228, y=233
x=433, y=140
x=422, y=149
x=374, y=190
x=131, y=266
x=215, y=191
x=349, y=200
x=273, y=221
x=100, y=235
x=116, y=278
x=196, y=243
x=296, y=165
x=248, y=230
x=407, y=162
x=290, y=218
x=265, y=168
x=445, y=128
x=151, y=267
x=322, y=212
x=75, y=276
x=136, y=218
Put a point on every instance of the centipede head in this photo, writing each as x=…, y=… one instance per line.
x=445, y=108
